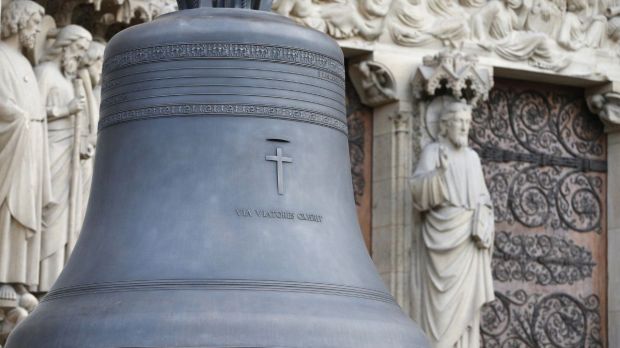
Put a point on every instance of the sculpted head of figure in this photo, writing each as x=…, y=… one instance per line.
x=71, y=43
x=22, y=18
x=454, y=123
x=93, y=61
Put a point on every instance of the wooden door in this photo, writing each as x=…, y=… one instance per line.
x=544, y=158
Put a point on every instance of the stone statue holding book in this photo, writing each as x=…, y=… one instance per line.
x=457, y=231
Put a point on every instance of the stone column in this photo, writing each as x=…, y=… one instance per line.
x=605, y=102
x=391, y=240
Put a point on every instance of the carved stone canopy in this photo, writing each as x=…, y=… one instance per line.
x=373, y=82
x=452, y=73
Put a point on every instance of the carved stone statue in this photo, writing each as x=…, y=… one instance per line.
x=58, y=81
x=457, y=231
x=92, y=64
x=24, y=168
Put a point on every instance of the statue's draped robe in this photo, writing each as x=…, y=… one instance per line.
x=24, y=171
x=57, y=91
x=456, y=273
x=87, y=165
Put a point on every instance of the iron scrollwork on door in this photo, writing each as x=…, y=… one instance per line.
x=544, y=160
x=545, y=156
x=558, y=320
x=545, y=260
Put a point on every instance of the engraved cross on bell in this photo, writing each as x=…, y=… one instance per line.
x=280, y=160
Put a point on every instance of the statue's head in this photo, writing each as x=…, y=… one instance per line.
x=454, y=123
x=22, y=18
x=71, y=43
x=93, y=61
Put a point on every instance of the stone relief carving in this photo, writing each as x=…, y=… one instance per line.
x=544, y=33
x=373, y=82
x=607, y=107
x=423, y=22
x=104, y=18
x=581, y=28
x=497, y=27
x=339, y=19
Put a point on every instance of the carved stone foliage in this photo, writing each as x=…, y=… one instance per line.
x=452, y=73
x=539, y=258
x=519, y=319
x=545, y=159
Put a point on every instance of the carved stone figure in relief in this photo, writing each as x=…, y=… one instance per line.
x=90, y=73
x=607, y=107
x=373, y=82
x=579, y=28
x=352, y=18
x=457, y=231
x=24, y=167
x=303, y=11
x=339, y=19
x=497, y=27
x=59, y=87
x=420, y=22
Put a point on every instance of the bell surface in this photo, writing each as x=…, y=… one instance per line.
x=221, y=212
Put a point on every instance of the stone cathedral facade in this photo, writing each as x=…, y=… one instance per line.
x=543, y=79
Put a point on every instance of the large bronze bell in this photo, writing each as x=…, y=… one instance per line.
x=221, y=212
